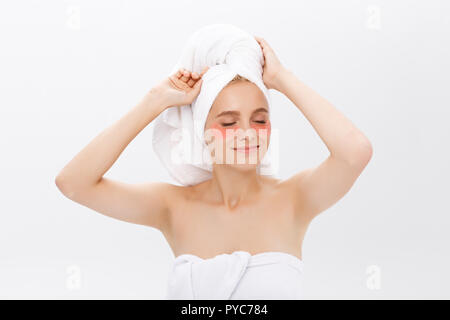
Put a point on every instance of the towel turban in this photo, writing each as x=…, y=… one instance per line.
x=178, y=131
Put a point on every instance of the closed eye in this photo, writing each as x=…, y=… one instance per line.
x=232, y=123
x=228, y=124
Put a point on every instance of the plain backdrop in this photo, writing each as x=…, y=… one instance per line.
x=69, y=69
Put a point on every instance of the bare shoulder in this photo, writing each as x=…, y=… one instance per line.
x=282, y=184
x=173, y=194
x=272, y=182
x=177, y=196
x=279, y=186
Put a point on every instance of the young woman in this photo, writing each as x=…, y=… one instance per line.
x=220, y=228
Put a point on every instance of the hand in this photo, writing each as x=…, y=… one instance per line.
x=181, y=88
x=272, y=69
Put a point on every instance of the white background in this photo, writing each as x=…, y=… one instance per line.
x=68, y=69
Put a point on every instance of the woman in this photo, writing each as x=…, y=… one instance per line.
x=237, y=214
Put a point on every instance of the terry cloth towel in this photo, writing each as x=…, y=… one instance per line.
x=239, y=275
x=178, y=131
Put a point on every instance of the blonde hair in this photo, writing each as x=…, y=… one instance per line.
x=239, y=77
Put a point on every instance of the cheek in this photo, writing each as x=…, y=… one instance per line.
x=256, y=126
x=259, y=126
x=223, y=130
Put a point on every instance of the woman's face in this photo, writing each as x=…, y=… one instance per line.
x=237, y=129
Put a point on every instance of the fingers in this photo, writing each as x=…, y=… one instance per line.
x=198, y=84
x=190, y=78
x=263, y=43
x=185, y=75
x=260, y=40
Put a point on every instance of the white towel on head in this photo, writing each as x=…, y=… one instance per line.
x=178, y=131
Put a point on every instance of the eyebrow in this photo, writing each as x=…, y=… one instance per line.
x=235, y=112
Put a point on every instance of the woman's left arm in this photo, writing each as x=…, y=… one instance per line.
x=343, y=139
x=318, y=188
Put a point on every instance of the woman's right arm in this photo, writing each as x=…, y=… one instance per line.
x=82, y=181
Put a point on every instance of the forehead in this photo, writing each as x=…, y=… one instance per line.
x=239, y=95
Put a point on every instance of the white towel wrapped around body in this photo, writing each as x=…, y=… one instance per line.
x=178, y=131
x=239, y=275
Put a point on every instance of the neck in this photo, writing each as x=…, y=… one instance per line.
x=231, y=187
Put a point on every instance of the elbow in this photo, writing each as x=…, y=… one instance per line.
x=64, y=186
x=362, y=153
x=357, y=150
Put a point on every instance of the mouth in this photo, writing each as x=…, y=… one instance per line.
x=247, y=149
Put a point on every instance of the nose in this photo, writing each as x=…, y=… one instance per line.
x=247, y=133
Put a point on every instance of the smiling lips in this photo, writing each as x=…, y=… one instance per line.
x=246, y=149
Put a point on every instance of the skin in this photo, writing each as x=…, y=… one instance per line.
x=239, y=118
x=236, y=209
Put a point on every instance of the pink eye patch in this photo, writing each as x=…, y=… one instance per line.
x=234, y=128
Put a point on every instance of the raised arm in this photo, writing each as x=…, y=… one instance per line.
x=318, y=188
x=82, y=181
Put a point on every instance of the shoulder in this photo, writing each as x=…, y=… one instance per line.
x=177, y=196
x=173, y=193
x=272, y=181
x=282, y=184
